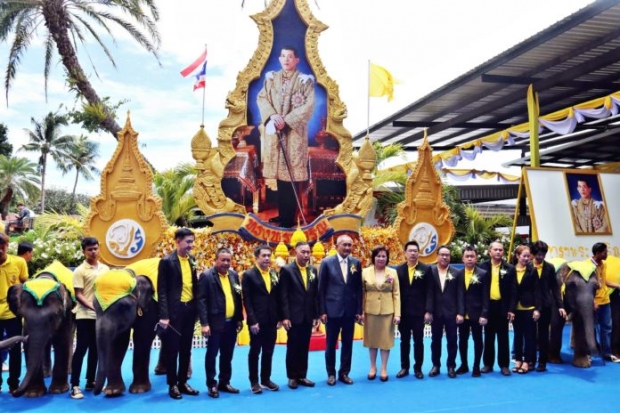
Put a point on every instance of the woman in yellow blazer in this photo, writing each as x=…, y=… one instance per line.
x=381, y=309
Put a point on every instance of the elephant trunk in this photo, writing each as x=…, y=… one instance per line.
x=8, y=343
x=35, y=350
x=586, y=304
x=103, y=351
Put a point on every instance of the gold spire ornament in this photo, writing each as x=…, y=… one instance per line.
x=423, y=216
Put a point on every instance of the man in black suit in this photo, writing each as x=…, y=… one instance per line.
x=176, y=291
x=445, y=303
x=260, y=286
x=221, y=318
x=412, y=278
x=476, y=290
x=502, y=304
x=551, y=301
x=340, y=306
x=300, y=313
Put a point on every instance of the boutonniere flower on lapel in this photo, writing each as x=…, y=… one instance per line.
x=389, y=279
x=274, y=277
x=449, y=276
x=312, y=276
x=474, y=279
x=192, y=263
x=502, y=272
x=418, y=274
x=237, y=288
x=353, y=269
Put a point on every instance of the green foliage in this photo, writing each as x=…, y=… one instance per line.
x=92, y=115
x=6, y=148
x=175, y=186
x=61, y=201
x=18, y=180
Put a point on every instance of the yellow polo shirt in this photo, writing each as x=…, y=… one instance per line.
x=411, y=272
x=187, y=294
x=228, y=295
x=602, y=293
x=12, y=272
x=266, y=278
x=84, y=277
x=304, y=275
x=495, y=291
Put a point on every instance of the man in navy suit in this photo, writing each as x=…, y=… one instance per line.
x=299, y=284
x=412, y=278
x=221, y=318
x=476, y=286
x=445, y=304
x=340, y=306
x=176, y=291
x=260, y=287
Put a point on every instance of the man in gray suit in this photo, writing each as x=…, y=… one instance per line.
x=340, y=306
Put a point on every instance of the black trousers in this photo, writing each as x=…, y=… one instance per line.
x=287, y=205
x=180, y=346
x=86, y=340
x=476, y=332
x=297, y=347
x=344, y=326
x=13, y=327
x=411, y=326
x=542, y=334
x=222, y=342
x=437, y=328
x=496, y=327
x=524, y=336
x=264, y=342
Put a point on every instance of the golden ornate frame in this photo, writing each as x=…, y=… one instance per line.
x=210, y=162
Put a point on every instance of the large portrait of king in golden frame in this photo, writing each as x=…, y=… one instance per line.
x=587, y=204
x=294, y=175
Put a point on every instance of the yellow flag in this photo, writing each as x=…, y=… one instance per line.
x=381, y=82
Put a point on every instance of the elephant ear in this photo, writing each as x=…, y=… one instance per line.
x=14, y=298
x=143, y=291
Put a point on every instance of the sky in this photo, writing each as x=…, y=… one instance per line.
x=424, y=43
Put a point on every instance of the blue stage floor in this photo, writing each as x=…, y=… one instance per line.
x=563, y=388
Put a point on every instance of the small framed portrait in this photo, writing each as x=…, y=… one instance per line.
x=587, y=203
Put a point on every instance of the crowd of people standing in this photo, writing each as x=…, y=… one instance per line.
x=478, y=300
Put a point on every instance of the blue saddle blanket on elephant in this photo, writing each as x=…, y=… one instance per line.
x=113, y=285
x=40, y=288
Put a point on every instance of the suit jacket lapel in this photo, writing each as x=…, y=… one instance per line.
x=339, y=269
x=299, y=277
x=218, y=281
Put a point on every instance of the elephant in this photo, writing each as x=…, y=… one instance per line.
x=10, y=342
x=579, y=283
x=135, y=308
x=46, y=305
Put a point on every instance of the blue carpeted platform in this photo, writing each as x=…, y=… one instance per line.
x=563, y=388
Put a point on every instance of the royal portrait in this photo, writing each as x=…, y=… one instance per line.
x=587, y=203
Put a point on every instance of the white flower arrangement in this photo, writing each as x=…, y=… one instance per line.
x=474, y=279
x=237, y=288
x=418, y=274
x=449, y=276
x=274, y=277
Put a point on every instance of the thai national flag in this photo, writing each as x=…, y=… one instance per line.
x=200, y=77
x=191, y=68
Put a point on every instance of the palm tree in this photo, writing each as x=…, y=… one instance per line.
x=82, y=156
x=481, y=230
x=17, y=176
x=64, y=22
x=174, y=186
x=47, y=141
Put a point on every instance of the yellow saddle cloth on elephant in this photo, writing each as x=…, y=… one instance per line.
x=147, y=267
x=585, y=268
x=40, y=288
x=62, y=274
x=113, y=285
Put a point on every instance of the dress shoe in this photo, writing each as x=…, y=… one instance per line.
x=541, y=367
x=174, y=393
x=331, y=380
x=213, y=392
x=384, y=378
x=345, y=379
x=256, y=388
x=451, y=373
x=305, y=382
x=372, y=376
x=486, y=369
x=269, y=385
x=505, y=371
x=402, y=373
x=227, y=388
x=418, y=374
x=187, y=389
x=434, y=371
x=292, y=383
x=463, y=368
x=475, y=372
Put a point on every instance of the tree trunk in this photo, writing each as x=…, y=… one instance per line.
x=77, y=175
x=56, y=20
x=5, y=202
x=43, y=171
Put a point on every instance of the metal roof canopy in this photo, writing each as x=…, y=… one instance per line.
x=571, y=62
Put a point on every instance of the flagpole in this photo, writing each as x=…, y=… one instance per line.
x=204, y=89
x=368, y=103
